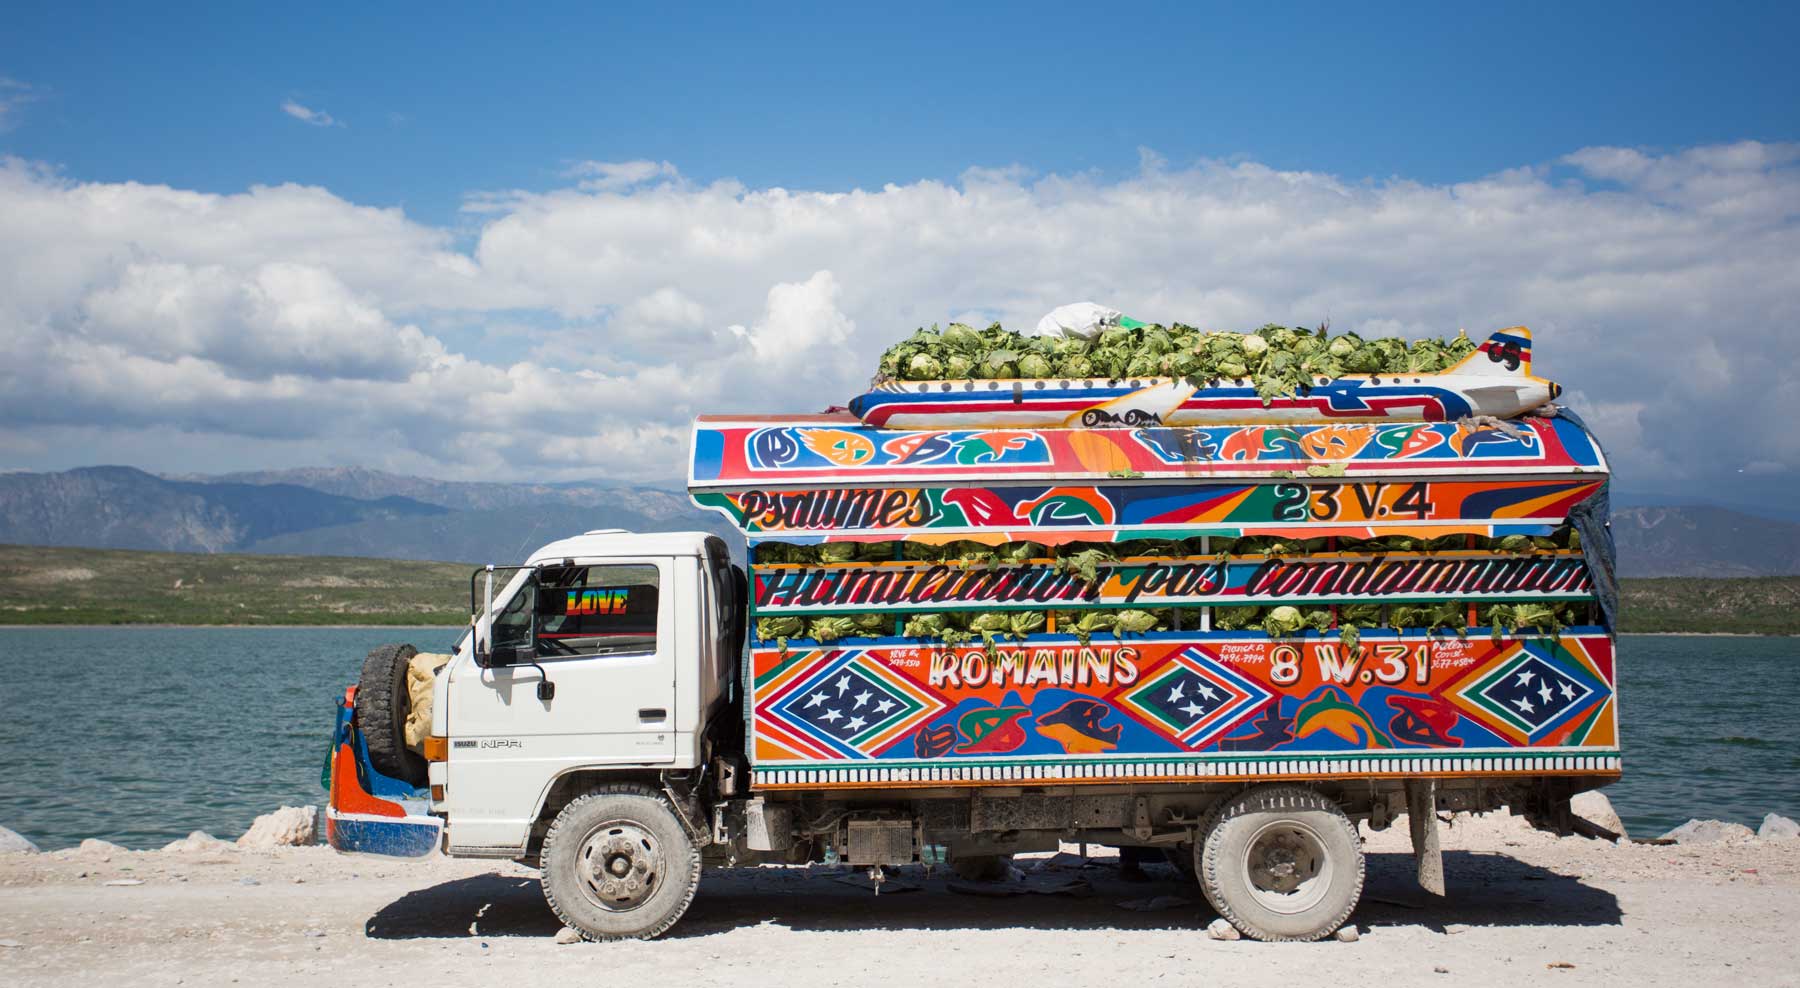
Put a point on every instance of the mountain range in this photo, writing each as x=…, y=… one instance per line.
x=352, y=511
x=325, y=511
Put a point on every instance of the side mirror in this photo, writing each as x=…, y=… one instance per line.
x=508, y=652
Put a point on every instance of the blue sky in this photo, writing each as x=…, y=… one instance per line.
x=243, y=236
x=435, y=104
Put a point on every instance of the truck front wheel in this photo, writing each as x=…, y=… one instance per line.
x=617, y=864
x=1281, y=863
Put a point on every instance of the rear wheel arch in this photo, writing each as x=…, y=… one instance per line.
x=572, y=784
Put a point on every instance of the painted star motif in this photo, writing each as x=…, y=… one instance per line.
x=843, y=685
x=815, y=700
x=1177, y=693
x=1193, y=709
x=854, y=724
x=862, y=698
x=1524, y=704
x=1546, y=692
x=1206, y=691
x=1568, y=691
x=884, y=706
x=831, y=715
x=1526, y=677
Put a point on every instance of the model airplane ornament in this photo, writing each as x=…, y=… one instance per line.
x=1495, y=380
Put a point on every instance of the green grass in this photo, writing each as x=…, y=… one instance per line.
x=108, y=586
x=1768, y=605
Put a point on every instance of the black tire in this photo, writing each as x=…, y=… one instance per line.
x=981, y=867
x=606, y=839
x=1256, y=856
x=382, y=703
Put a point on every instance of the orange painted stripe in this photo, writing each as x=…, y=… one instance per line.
x=347, y=793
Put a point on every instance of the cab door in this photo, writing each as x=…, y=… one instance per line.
x=604, y=633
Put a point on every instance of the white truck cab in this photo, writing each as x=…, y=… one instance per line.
x=633, y=639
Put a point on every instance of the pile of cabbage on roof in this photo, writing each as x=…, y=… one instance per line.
x=1278, y=359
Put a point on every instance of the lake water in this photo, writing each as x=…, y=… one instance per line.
x=139, y=735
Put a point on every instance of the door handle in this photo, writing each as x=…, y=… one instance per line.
x=652, y=713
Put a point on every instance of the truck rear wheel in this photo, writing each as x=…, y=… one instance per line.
x=617, y=865
x=1281, y=863
x=382, y=703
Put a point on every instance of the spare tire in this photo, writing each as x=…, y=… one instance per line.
x=382, y=703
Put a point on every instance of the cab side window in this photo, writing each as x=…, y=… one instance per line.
x=597, y=610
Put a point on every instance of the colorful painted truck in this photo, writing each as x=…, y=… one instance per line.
x=1225, y=642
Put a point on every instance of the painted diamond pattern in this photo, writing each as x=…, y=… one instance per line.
x=1535, y=692
x=1531, y=693
x=1196, y=698
x=854, y=706
x=1191, y=697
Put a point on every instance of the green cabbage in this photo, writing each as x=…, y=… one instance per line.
x=1278, y=360
x=830, y=629
x=1283, y=620
x=1133, y=622
x=1025, y=623
x=873, y=625
x=780, y=629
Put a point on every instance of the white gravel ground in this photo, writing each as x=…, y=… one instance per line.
x=1524, y=908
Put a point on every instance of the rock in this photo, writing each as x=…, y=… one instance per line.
x=247, y=880
x=15, y=843
x=1061, y=859
x=197, y=842
x=312, y=933
x=123, y=882
x=290, y=826
x=1595, y=808
x=94, y=845
x=1219, y=929
x=1347, y=935
x=568, y=934
x=10, y=943
x=1708, y=832
x=1774, y=827
x=1457, y=928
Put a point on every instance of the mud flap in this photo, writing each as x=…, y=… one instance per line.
x=1421, y=816
x=371, y=813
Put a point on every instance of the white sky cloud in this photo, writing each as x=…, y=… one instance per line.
x=14, y=95
x=182, y=330
x=318, y=118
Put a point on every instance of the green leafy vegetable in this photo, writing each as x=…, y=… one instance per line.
x=1277, y=360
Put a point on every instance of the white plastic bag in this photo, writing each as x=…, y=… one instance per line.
x=1083, y=319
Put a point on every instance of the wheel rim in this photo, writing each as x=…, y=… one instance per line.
x=1287, y=867
x=621, y=865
